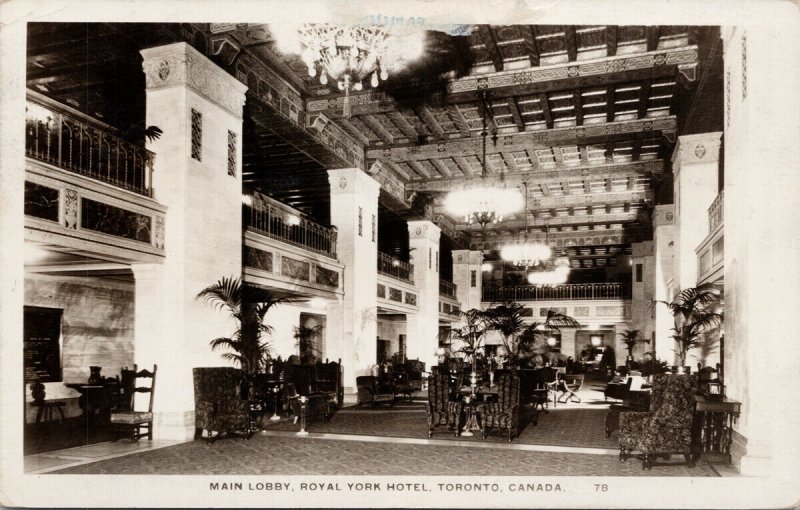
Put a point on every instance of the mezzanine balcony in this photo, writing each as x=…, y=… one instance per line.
x=274, y=220
x=565, y=292
x=66, y=138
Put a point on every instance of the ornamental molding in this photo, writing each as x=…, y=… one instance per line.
x=424, y=229
x=664, y=215
x=353, y=181
x=469, y=257
x=686, y=57
x=524, y=141
x=180, y=64
x=700, y=148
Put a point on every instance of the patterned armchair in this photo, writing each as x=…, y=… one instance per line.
x=218, y=403
x=503, y=414
x=667, y=427
x=444, y=408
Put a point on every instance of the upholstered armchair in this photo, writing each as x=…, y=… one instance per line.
x=504, y=413
x=444, y=407
x=372, y=390
x=218, y=403
x=667, y=427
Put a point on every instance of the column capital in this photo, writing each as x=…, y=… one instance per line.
x=424, y=229
x=352, y=180
x=471, y=257
x=180, y=64
x=699, y=148
x=664, y=214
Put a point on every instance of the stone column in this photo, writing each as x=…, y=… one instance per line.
x=695, y=164
x=761, y=246
x=353, y=321
x=467, y=275
x=197, y=175
x=663, y=255
x=423, y=327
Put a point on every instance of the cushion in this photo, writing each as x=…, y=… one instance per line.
x=132, y=417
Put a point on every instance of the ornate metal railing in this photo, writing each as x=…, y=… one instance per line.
x=63, y=137
x=396, y=268
x=716, y=213
x=273, y=221
x=447, y=288
x=571, y=291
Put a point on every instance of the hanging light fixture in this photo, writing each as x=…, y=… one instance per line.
x=550, y=272
x=483, y=203
x=348, y=54
x=526, y=254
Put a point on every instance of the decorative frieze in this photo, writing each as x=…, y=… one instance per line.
x=158, y=232
x=258, y=259
x=297, y=269
x=41, y=201
x=327, y=277
x=180, y=64
x=525, y=140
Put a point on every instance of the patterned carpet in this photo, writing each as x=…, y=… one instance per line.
x=304, y=456
x=562, y=426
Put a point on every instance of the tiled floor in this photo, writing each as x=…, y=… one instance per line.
x=81, y=455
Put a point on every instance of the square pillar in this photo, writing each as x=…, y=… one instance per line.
x=695, y=164
x=197, y=175
x=353, y=321
x=761, y=246
x=423, y=327
x=467, y=275
x=663, y=262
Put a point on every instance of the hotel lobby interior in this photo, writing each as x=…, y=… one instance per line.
x=534, y=250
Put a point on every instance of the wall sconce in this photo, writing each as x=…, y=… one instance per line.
x=486, y=267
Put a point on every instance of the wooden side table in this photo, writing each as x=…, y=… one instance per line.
x=713, y=425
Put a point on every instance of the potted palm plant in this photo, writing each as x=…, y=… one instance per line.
x=469, y=334
x=631, y=338
x=693, y=312
x=518, y=336
x=305, y=342
x=248, y=307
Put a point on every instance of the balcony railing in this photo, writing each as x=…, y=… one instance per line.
x=567, y=292
x=716, y=213
x=396, y=268
x=284, y=225
x=63, y=137
x=447, y=288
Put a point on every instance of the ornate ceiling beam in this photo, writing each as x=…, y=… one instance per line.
x=652, y=37
x=464, y=166
x=512, y=107
x=529, y=81
x=572, y=238
x=403, y=124
x=443, y=170
x=490, y=43
x=419, y=169
x=571, y=43
x=611, y=105
x=588, y=219
x=599, y=133
x=644, y=98
x=424, y=113
x=576, y=102
x=529, y=42
x=459, y=120
x=630, y=169
x=544, y=104
x=377, y=128
x=584, y=200
x=611, y=40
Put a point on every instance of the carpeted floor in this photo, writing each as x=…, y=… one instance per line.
x=308, y=456
x=562, y=426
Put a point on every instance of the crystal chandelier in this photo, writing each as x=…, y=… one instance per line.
x=526, y=254
x=482, y=203
x=345, y=53
x=555, y=276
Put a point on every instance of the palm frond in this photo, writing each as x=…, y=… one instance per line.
x=226, y=293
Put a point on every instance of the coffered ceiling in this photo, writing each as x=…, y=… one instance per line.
x=582, y=117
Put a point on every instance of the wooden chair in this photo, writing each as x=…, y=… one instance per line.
x=127, y=419
x=569, y=385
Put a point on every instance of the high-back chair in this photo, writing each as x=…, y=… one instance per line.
x=127, y=419
x=444, y=407
x=667, y=427
x=504, y=413
x=218, y=403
